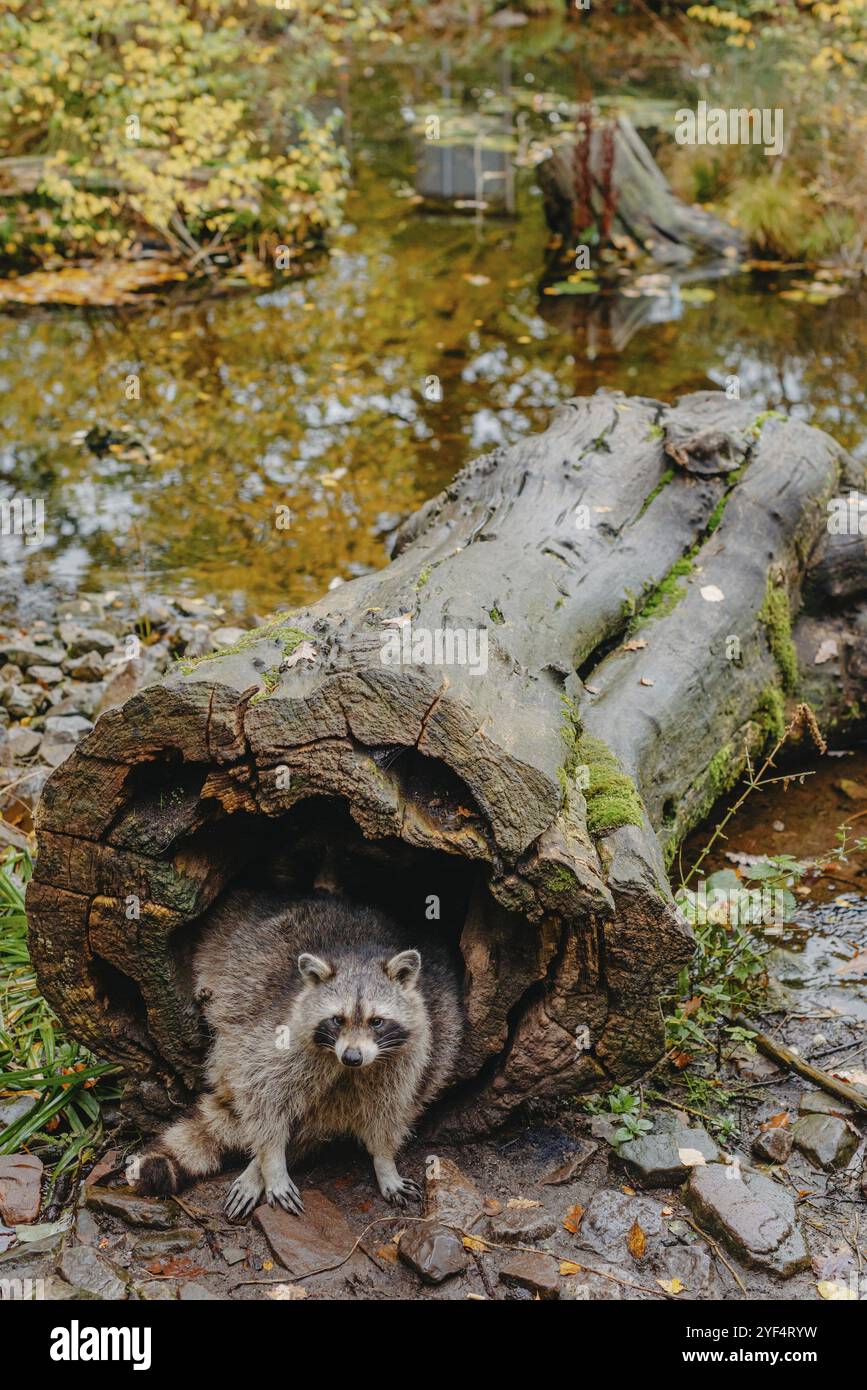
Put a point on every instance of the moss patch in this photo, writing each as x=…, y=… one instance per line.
x=777, y=619
x=771, y=714
x=288, y=637
x=612, y=797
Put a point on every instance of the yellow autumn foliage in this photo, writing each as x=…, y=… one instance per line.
x=188, y=119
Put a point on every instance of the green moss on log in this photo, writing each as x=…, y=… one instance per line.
x=288, y=637
x=611, y=796
x=778, y=624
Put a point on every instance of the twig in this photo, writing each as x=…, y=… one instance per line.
x=719, y=1254
x=778, y=1052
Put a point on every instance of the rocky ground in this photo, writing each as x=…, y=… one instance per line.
x=762, y=1198
x=57, y=677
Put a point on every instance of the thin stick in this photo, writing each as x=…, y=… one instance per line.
x=719, y=1254
x=778, y=1052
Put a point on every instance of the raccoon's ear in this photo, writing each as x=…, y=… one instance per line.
x=404, y=967
x=314, y=969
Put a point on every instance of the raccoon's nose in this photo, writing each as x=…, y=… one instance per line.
x=352, y=1057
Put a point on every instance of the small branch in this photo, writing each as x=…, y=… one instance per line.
x=778, y=1052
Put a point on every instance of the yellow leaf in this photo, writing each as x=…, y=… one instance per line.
x=670, y=1285
x=569, y=1267
x=474, y=1243
x=636, y=1241
x=572, y=1219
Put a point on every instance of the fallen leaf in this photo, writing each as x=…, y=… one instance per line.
x=387, y=1253
x=711, y=594
x=671, y=1285
x=572, y=1219
x=780, y=1121
x=636, y=645
x=287, y=1293
x=521, y=1203
x=569, y=1267
x=691, y=1158
x=645, y=680
x=474, y=1243
x=827, y=650
x=636, y=1241
x=305, y=651
x=837, y=1292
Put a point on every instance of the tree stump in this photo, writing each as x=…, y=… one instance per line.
x=627, y=578
x=606, y=179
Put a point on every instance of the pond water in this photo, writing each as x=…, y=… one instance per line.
x=311, y=395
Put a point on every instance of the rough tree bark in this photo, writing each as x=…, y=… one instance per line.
x=634, y=567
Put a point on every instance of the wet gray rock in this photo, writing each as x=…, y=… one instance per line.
x=156, y=1290
x=826, y=1140
x=26, y=653
x=751, y=1214
x=537, y=1273
x=23, y=743
x=433, y=1251
x=23, y=701
x=71, y=726
x=773, y=1145
x=20, y=1188
x=125, y=1204
x=155, y=1244
x=14, y=1108
x=88, y=1272
x=820, y=1103
x=80, y=640
x=522, y=1225
x=451, y=1196
x=191, y=1292
x=664, y=1157
x=80, y=697
x=88, y=667
x=610, y=1216
x=46, y=675
x=87, y=1231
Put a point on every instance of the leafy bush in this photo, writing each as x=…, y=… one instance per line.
x=190, y=119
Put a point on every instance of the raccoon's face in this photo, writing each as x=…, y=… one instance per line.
x=363, y=1011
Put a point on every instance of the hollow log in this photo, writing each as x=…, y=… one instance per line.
x=501, y=738
x=621, y=172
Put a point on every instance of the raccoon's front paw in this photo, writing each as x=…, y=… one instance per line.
x=285, y=1194
x=399, y=1192
x=244, y=1195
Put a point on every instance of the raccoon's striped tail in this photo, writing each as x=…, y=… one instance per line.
x=187, y=1151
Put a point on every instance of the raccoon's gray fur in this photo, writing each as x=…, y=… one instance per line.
x=326, y=1021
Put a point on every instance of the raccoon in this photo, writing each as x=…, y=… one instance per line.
x=326, y=1021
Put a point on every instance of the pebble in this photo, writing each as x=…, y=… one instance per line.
x=46, y=675
x=522, y=1225
x=540, y=1274
x=433, y=1251
x=81, y=640
x=124, y=1203
x=826, y=1140
x=773, y=1145
x=88, y=1272
x=89, y=667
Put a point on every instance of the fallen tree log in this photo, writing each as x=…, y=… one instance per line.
x=605, y=178
x=500, y=738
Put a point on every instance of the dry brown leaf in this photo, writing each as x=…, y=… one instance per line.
x=645, y=680
x=287, y=1293
x=780, y=1121
x=521, y=1203
x=636, y=1241
x=572, y=1219
x=636, y=645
